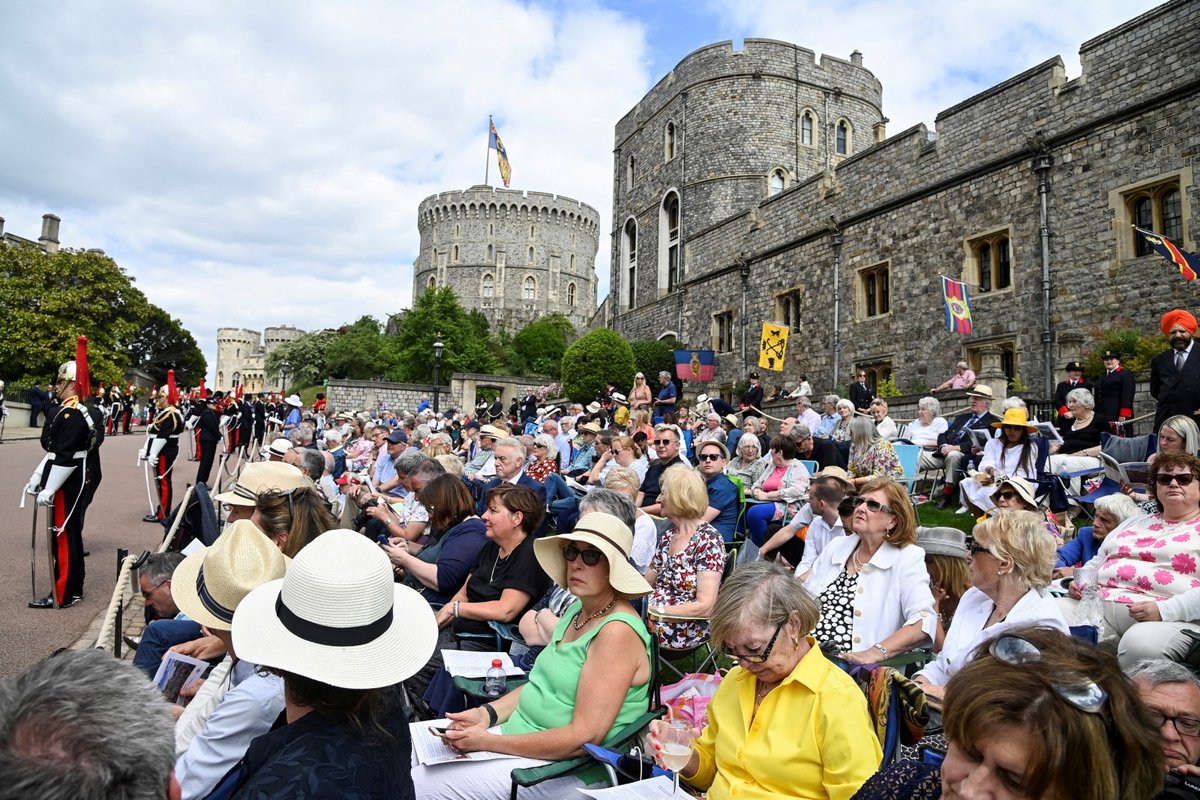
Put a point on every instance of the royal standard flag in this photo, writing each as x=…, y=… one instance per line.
x=1188, y=263
x=501, y=154
x=958, y=306
x=695, y=365
x=772, y=346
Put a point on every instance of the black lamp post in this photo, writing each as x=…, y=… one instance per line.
x=438, y=349
x=284, y=368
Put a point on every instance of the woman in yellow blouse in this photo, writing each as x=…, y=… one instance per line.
x=785, y=722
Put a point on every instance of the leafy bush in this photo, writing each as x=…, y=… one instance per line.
x=597, y=358
x=1136, y=348
x=650, y=357
x=887, y=388
x=541, y=344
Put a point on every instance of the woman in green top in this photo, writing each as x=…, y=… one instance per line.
x=592, y=679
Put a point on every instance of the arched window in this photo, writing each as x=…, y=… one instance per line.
x=775, y=182
x=629, y=264
x=491, y=229
x=432, y=283
x=529, y=291
x=455, y=254
x=457, y=230
x=629, y=165
x=571, y=262
x=669, y=142
x=806, y=128
x=669, y=263
x=844, y=138
x=571, y=294
x=220, y=379
x=531, y=255
x=489, y=286
x=491, y=253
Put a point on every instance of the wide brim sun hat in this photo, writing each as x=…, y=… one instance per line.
x=260, y=477
x=1015, y=418
x=942, y=541
x=1022, y=487
x=337, y=617
x=294, y=400
x=209, y=584
x=607, y=534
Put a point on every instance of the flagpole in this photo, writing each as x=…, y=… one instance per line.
x=487, y=156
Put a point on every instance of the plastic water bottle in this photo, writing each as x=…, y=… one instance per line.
x=1091, y=611
x=495, y=682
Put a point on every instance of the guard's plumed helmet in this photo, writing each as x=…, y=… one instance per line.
x=77, y=371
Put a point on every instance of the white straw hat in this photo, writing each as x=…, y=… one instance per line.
x=294, y=400
x=260, y=477
x=208, y=585
x=607, y=534
x=337, y=617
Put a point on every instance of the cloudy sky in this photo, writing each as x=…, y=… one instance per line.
x=255, y=164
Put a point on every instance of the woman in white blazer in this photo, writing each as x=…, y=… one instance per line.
x=872, y=585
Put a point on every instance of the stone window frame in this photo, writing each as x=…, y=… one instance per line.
x=572, y=294
x=571, y=262
x=814, y=131
x=532, y=255
x=630, y=172
x=628, y=266
x=863, y=287
x=487, y=289
x=722, y=331
x=972, y=270
x=787, y=308
x=454, y=257
x=670, y=137
x=668, y=278
x=431, y=284
x=525, y=285
x=784, y=178
x=457, y=230
x=1122, y=202
x=1009, y=360
x=878, y=370
x=491, y=253
x=491, y=229
x=843, y=144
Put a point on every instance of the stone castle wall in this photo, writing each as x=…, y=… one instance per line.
x=241, y=357
x=486, y=243
x=347, y=395
x=915, y=203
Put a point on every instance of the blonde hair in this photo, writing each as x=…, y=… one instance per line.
x=623, y=480
x=452, y=463
x=905, y=532
x=1021, y=537
x=684, y=492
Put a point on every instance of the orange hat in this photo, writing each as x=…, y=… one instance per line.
x=1177, y=316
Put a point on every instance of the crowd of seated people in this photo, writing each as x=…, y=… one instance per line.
x=325, y=618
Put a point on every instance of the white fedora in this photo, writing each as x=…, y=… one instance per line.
x=209, y=585
x=337, y=617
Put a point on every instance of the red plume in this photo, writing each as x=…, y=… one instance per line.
x=129, y=388
x=172, y=389
x=203, y=391
x=238, y=396
x=83, y=378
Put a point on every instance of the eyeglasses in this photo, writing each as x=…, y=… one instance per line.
x=1006, y=495
x=710, y=456
x=765, y=654
x=1186, y=726
x=590, y=557
x=661, y=442
x=539, y=445
x=872, y=505
x=1081, y=692
x=149, y=594
x=978, y=549
x=1183, y=479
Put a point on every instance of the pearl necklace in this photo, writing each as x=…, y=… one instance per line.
x=858, y=565
x=577, y=625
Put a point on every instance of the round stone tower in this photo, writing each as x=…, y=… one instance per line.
x=515, y=256
x=239, y=354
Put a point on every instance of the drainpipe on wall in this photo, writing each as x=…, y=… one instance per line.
x=836, y=241
x=744, y=270
x=1041, y=165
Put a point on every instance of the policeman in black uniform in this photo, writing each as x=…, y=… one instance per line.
x=245, y=424
x=260, y=422
x=60, y=481
x=127, y=409
x=162, y=447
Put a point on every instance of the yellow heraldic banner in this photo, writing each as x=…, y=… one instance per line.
x=773, y=346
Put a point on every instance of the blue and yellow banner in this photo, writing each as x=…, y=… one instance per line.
x=501, y=154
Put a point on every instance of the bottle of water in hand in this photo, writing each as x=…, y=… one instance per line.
x=495, y=682
x=1091, y=611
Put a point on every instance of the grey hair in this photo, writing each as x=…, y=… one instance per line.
x=863, y=432
x=451, y=463
x=610, y=501
x=547, y=441
x=1186, y=427
x=64, y=731
x=1015, y=402
x=510, y=443
x=803, y=400
x=422, y=432
x=800, y=432
x=407, y=462
x=931, y=404
x=333, y=436
x=1159, y=671
x=752, y=440
x=427, y=470
x=295, y=438
x=844, y=403
x=311, y=461
x=158, y=567
x=763, y=593
x=664, y=374
x=1118, y=506
x=1082, y=397
x=832, y=399
x=328, y=459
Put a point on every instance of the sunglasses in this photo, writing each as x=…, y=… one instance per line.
x=661, y=442
x=1183, y=479
x=872, y=505
x=541, y=446
x=978, y=549
x=765, y=654
x=590, y=557
x=1081, y=692
x=709, y=456
x=1006, y=495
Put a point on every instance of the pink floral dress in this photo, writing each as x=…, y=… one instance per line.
x=676, y=579
x=1150, y=558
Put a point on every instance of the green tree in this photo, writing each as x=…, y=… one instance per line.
x=437, y=312
x=597, y=358
x=357, y=351
x=1136, y=347
x=162, y=344
x=541, y=344
x=47, y=300
x=652, y=356
x=306, y=357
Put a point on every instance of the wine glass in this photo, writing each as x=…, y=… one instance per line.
x=676, y=748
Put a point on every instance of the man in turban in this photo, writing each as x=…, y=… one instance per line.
x=1175, y=374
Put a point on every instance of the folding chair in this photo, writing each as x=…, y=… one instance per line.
x=668, y=655
x=531, y=776
x=810, y=465
x=910, y=457
x=1120, y=449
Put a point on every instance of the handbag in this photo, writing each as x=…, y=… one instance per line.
x=688, y=698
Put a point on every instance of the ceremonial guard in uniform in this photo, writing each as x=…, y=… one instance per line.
x=272, y=408
x=60, y=481
x=115, y=406
x=127, y=409
x=208, y=436
x=162, y=448
x=229, y=421
x=245, y=423
x=260, y=422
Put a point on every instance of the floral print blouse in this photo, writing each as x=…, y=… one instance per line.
x=877, y=460
x=676, y=580
x=1150, y=558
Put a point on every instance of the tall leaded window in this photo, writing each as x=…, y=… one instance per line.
x=806, y=128
x=629, y=256
x=571, y=294
x=775, y=182
x=529, y=290
x=671, y=216
x=669, y=142
x=842, y=138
